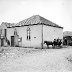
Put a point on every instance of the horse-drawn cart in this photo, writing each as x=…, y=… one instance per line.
x=55, y=44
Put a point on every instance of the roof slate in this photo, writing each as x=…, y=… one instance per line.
x=8, y=24
x=37, y=19
x=67, y=33
x=34, y=20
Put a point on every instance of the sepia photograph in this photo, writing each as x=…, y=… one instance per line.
x=35, y=35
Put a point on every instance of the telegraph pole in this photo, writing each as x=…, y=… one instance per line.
x=0, y=40
x=42, y=36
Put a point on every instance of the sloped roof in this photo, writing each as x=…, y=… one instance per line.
x=67, y=33
x=37, y=19
x=8, y=24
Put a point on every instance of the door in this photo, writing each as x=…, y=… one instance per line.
x=2, y=42
x=12, y=41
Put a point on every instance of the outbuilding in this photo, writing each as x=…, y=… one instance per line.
x=67, y=38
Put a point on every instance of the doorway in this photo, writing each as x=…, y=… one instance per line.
x=12, y=41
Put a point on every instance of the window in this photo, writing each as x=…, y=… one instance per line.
x=28, y=34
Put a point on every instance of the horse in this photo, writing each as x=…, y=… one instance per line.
x=48, y=43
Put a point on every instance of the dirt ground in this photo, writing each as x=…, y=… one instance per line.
x=35, y=60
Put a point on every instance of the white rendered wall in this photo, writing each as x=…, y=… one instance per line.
x=35, y=33
x=50, y=33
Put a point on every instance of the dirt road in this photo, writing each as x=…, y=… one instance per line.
x=36, y=60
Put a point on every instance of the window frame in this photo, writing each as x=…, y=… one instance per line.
x=28, y=33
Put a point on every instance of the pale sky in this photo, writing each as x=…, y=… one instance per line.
x=57, y=11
